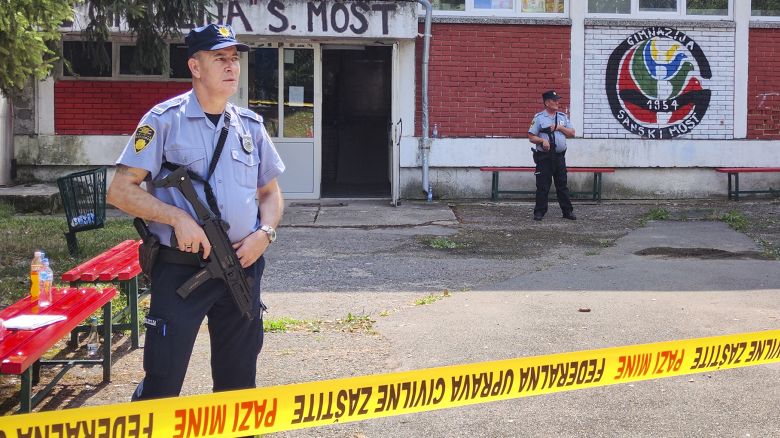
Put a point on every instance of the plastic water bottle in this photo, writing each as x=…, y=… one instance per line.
x=35, y=268
x=435, y=130
x=84, y=219
x=93, y=338
x=46, y=278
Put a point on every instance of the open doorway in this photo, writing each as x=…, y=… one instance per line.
x=356, y=111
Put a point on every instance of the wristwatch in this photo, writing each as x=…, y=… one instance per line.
x=270, y=232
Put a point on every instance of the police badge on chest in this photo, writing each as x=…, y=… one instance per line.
x=247, y=144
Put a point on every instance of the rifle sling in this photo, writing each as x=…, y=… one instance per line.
x=210, y=198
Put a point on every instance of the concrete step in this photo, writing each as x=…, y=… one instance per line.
x=32, y=198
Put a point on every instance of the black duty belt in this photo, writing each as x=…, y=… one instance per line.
x=172, y=255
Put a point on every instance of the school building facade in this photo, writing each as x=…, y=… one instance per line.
x=663, y=90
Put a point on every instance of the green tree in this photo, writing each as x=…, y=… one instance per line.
x=28, y=35
x=29, y=32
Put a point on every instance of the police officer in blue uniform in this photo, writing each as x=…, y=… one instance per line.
x=185, y=131
x=551, y=165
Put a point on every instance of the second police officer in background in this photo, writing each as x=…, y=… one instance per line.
x=227, y=147
x=551, y=127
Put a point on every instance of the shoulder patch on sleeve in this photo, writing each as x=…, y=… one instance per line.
x=168, y=104
x=248, y=113
x=142, y=137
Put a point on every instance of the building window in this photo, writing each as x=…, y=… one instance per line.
x=79, y=60
x=499, y=7
x=609, y=6
x=717, y=9
x=765, y=8
x=507, y=5
x=657, y=5
x=449, y=5
x=543, y=6
x=128, y=67
x=178, y=56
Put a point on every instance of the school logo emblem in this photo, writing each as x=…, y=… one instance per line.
x=142, y=137
x=655, y=81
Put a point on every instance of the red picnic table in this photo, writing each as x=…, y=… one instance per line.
x=116, y=265
x=21, y=350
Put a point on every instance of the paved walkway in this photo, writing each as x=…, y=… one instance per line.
x=664, y=281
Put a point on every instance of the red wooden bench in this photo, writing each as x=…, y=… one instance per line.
x=595, y=193
x=733, y=172
x=117, y=265
x=21, y=350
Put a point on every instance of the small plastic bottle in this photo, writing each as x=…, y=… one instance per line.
x=435, y=130
x=46, y=277
x=35, y=268
x=93, y=338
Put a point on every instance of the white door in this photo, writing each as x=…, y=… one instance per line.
x=397, y=129
x=283, y=87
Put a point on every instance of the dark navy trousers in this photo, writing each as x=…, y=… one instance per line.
x=235, y=340
x=551, y=167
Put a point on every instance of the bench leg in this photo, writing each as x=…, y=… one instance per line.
x=736, y=187
x=25, y=395
x=74, y=334
x=107, y=335
x=595, y=186
x=494, y=187
x=131, y=287
x=729, y=189
x=599, y=191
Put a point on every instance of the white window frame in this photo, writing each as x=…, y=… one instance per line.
x=116, y=67
x=116, y=42
x=471, y=11
x=762, y=17
x=680, y=14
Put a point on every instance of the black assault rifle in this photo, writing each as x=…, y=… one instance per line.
x=550, y=133
x=223, y=263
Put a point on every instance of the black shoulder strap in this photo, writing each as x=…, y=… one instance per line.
x=210, y=198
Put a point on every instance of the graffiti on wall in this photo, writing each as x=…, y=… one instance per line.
x=654, y=83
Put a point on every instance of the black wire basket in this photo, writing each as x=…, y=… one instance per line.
x=84, y=198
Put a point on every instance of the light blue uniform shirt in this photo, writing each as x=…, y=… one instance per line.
x=543, y=120
x=178, y=131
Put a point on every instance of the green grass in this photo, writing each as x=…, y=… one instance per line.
x=22, y=235
x=769, y=250
x=354, y=323
x=280, y=325
x=657, y=214
x=736, y=220
x=444, y=243
x=432, y=298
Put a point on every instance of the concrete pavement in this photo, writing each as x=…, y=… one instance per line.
x=336, y=258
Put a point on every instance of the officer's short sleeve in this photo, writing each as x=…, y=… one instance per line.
x=534, y=129
x=271, y=165
x=144, y=150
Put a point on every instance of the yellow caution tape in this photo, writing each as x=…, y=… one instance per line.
x=279, y=408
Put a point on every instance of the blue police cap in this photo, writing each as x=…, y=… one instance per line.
x=212, y=37
x=551, y=94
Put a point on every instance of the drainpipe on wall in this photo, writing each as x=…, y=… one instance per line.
x=425, y=141
x=6, y=140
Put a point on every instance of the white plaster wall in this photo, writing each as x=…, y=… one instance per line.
x=625, y=183
x=717, y=43
x=476, y=152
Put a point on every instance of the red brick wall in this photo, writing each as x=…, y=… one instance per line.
x=103, y=107
x=764, y=85
x=487, y=80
